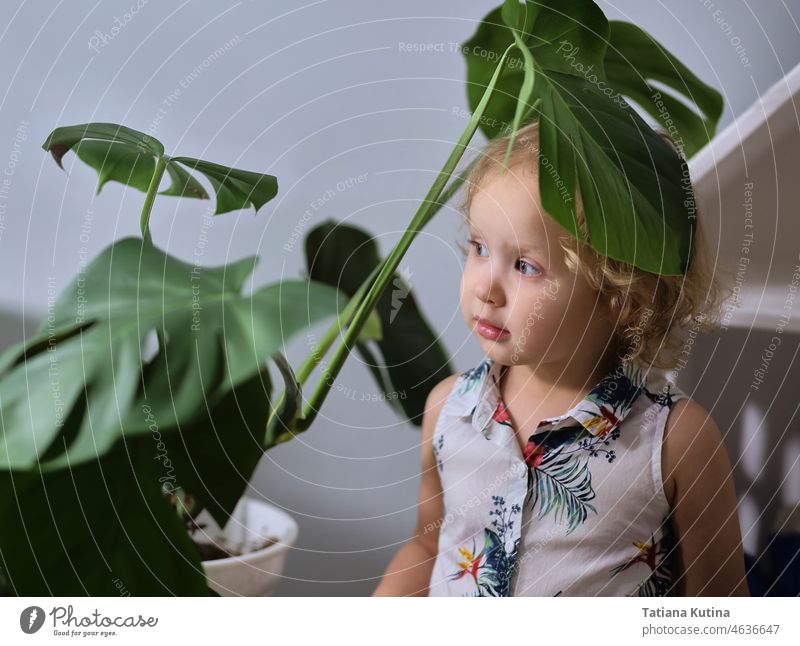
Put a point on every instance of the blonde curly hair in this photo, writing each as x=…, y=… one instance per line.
x=655, y=313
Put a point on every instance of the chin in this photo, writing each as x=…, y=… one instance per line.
x=500, y=351
x=504, y=353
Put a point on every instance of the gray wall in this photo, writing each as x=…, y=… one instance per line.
x=314, y=95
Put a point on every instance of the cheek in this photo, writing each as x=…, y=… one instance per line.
x=586, y=303
x=463, y=294
x=468, y=281
x=541, y=313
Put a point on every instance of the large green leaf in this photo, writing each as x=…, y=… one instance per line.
x=638, y=206
x=215, y=337
x=213, y=455
x=64, y=138
x=124, y=155
x=542, y=28
x=117, y=161
x=92, y=429
x=634, y=59
x=236, y=189
x=183, y=183
x=632, y=182
x=412, y=357
x=84, y=530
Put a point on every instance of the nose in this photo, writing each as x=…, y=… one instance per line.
x=488, y=288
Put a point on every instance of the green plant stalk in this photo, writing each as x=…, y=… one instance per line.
x=321, y=349
x=422, y=216
x=149, y=198
x=444, y=198
x=310, y=362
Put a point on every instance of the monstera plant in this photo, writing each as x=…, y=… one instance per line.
x=84, y=409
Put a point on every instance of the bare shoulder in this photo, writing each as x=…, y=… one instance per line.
x=440, y=391
x=430, y=509
x=691, y=438
x=704, y=512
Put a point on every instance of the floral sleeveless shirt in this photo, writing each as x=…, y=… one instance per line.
x=581, y=512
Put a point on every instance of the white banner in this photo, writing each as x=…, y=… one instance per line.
x=368, y=620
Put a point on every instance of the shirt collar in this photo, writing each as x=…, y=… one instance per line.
x=600, y=412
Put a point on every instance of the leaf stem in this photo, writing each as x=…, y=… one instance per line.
x=319, y=351
x=422, y=216
x=144, y=221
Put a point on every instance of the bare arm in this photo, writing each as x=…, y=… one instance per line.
x=699, y=483
x=409, y=572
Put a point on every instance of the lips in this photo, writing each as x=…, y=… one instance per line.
x=490, y=331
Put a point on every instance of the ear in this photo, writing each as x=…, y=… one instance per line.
x=611, y=304
x=614, y=303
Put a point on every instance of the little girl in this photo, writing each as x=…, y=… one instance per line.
x=566, y=462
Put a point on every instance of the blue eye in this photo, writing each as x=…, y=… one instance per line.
x=478, y=245
x=525, y=264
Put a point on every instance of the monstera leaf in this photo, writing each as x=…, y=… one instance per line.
x=131, y=157
x=93, y=338
x=634, y=59
x=412, y=360
x=80, y=531
x=87, y=419
x=147, y=379
x=638, y=205
x=80, y=385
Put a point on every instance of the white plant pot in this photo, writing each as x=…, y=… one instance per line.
x=257, y=572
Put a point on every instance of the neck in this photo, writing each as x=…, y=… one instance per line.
x=563, y=382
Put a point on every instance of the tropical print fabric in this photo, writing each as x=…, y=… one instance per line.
x=580, y=511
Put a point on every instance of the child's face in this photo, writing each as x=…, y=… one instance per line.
x=515, y=278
